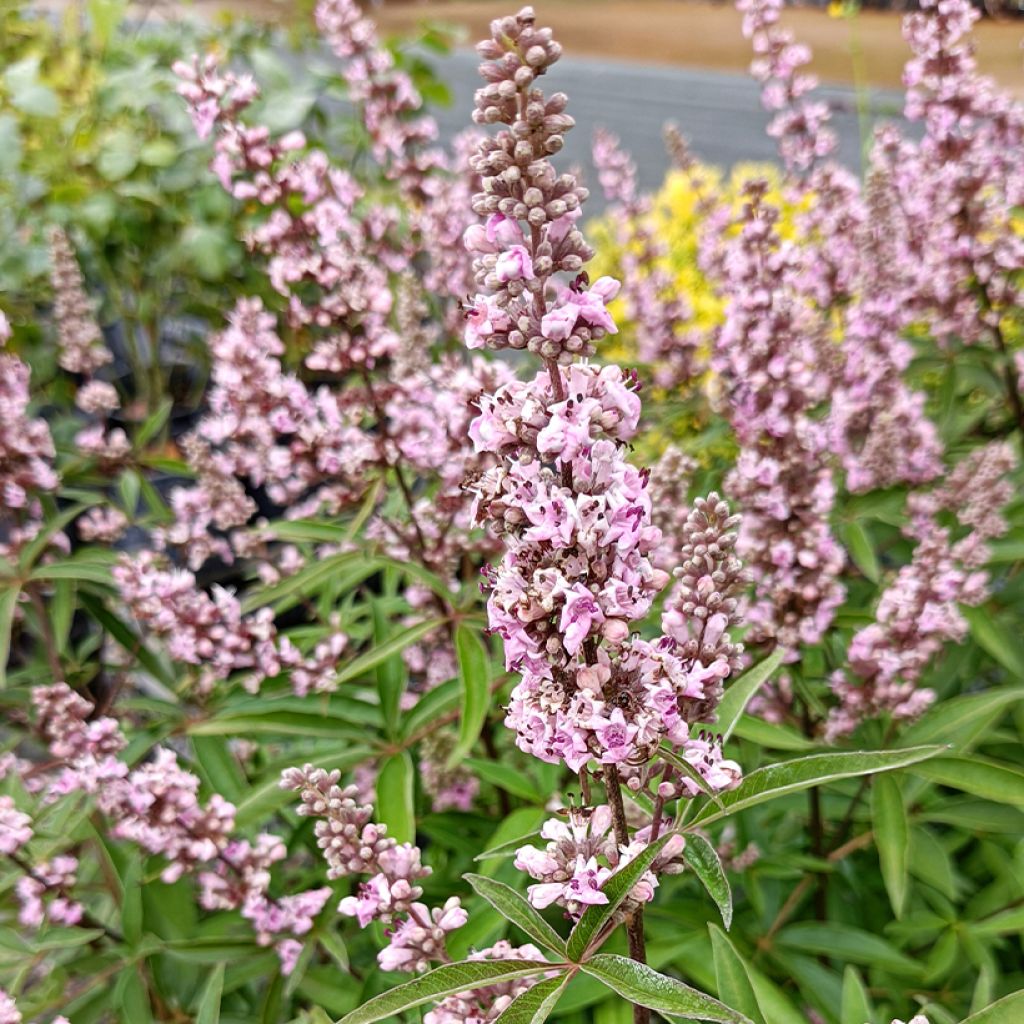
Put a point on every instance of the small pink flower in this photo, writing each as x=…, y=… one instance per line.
x=514, y=264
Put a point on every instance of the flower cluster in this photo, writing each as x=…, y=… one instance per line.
x=919, y=612
x=157, y=807
x=848, y=269
x=26, y=454
x=575, y=517
x=80, y=343
x=353, y=844
x=773, y=355
x=581, y=855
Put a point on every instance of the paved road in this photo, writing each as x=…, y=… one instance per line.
x=720, y=113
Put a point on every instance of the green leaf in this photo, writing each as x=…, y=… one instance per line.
x=395, y=797
x=308, y=530
x=892, y=837
x=776, y=780
x=1008, y=1010
x=509, y=848
x=8, y=603
x=949, y=720
x=131, y=902
x=131, y=997
x=738, y=694
x=391, y=674
x=434, y=704
x=75, y=569
x=153, y=423
x=220, y=767
x=535, y=1004
x=306, y=581
x=994, y=638
x=132, y=643
x=119, y=154
x=474, y=672
x=517, y=783
x=856, y=1006
x=773, y=735
x=731, y=978
x=209, y=1002
x=272, y=721
x=988, y=779
x=616, y=888
x=846, y=942
x=381, y=652
x=862, y=551
x=514, y=907
x=642, y=984
x=1006, y=922
x=441, y=982
x=703, y=859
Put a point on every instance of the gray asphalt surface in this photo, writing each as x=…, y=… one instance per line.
x=720, y=113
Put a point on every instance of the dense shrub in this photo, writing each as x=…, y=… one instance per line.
x=265, y=749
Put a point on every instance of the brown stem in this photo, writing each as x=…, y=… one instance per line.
x=635, y=921
x=49, y=640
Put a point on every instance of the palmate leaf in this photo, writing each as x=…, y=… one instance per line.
x=448, y=980
x=616, y=888
x=514, y=907
x=534, y=1005
x=642, y=984
x=703, y=859
x=802, y=773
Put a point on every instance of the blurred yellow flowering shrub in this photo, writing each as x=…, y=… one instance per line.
x=678, y=216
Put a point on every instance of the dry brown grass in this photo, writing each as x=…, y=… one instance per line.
x=700, y=34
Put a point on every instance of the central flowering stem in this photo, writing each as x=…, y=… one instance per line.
x=576, y=517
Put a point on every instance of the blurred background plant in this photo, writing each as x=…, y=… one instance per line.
x=872, y=901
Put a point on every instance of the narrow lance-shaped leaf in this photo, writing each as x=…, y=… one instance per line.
x=209, y=1003
x=616, y=888
x=802, y=773
x=514, y=907
x=703, y=859
x=390, y=672
x=739, y=693
x=988, y=779
x=856, y=1005
x=892, y=837
x=731, y=977
x=476, y=694
x=1008, y=1010
x=381, y=652
x=535, y=1004
x=395, y=797
x=463, y=976
x=508, y=849
x=8, y=602
x=952, y=719
x=642, y=984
